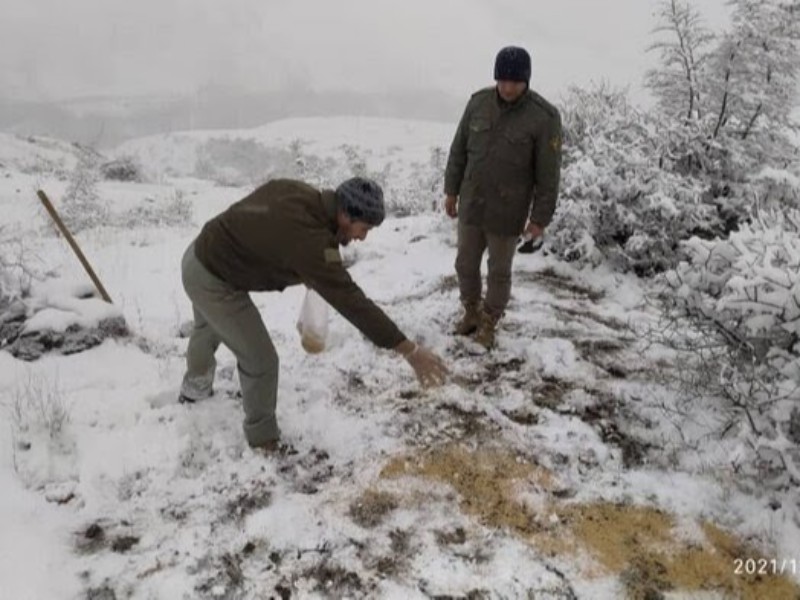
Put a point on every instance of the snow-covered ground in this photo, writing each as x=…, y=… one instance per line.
x=549, y=468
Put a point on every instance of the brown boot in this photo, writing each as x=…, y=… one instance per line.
x=470, y=320
x=487, y=329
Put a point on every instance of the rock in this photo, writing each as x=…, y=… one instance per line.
x=124, y=543
x=81, y=340
x=9, y=332
x=27, y=348
x=114, y=327
x=31, y=346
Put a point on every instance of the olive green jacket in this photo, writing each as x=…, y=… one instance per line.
x=282, y=234
x=505, y=162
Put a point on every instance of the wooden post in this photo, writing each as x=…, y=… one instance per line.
x=63, y=229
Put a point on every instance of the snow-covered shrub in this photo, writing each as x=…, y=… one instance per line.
x=617, y=202
x=124, y=168
x=82, y=208
x=17, y=269
x=777, y=189
x=312, y=169
x=242, y=162
x=420, y=190
x=175, y=211
x=38, y=406
x=726, y=100
x=734, y=309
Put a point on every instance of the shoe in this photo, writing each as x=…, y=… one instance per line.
x=470, y=320
x=487, y=330
x=268, y=448
x=275, y=448
x=183, y=399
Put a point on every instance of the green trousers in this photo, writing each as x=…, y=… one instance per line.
x=473, y=241
x=225, y=315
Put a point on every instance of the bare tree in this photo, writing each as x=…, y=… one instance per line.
x=756, y=68
x=678, y=84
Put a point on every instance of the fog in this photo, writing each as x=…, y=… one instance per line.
x=430, y=53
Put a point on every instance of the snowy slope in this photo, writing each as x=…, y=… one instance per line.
x=549, y=468
x=35, y=154
x=403, y=138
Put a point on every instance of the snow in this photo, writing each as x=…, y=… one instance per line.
x=213, y=519
x=382, y=139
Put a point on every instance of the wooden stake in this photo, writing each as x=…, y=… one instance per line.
x=63, y=229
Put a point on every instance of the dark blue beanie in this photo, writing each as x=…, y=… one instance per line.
x=362, y=200
x=513, y=64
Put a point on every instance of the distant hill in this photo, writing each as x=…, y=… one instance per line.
x=108, y=121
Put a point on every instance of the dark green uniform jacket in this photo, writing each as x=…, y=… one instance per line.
x=283, y=234
x=505, y=162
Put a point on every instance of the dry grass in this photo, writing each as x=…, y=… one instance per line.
x=637, y=543
x=486, y=481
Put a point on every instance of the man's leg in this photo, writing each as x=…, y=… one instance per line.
x=242, y=330
x=471, y=245
x=200, y=362
x=498, y=280
x=236, y=322
x=498, y=286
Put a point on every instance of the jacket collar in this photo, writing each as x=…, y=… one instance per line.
x=331, y=206
x=507, y=106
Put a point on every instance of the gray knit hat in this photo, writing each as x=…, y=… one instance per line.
x=362, y=200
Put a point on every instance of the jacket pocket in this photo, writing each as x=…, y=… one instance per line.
x=516, y=147
x=478, y=140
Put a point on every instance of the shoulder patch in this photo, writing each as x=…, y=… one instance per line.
x=555, y=143
x=332, y=255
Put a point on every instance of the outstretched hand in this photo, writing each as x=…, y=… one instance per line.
x=430, y=369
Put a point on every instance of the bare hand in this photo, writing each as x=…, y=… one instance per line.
x=428, y=366
x=534, y=230
x=450, y=206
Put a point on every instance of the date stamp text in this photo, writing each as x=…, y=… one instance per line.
x=765, y=566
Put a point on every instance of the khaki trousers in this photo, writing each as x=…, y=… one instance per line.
x=225, y=315
x=472, y=242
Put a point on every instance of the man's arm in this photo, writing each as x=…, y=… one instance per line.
x=321, y=268
x=547, y=172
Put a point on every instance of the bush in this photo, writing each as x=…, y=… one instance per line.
x=125, y=168
x=732, y=310
x=82, y=207
x=176, y=211
x=617, y=202
x=242, y=162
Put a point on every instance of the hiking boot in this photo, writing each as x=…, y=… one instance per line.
x=268, y=448
x=184, y=399
x=470, y=320
x=487, y=329
x=275, y=448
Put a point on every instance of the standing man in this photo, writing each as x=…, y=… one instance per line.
x=284, y=233
x=501, y=179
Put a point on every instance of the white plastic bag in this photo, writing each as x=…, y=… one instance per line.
x=313, y=323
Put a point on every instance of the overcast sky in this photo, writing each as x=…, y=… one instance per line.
x=55, y=49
